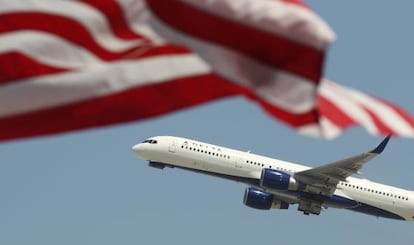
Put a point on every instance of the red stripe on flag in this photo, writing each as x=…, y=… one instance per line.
x=297, y=2
x=329, y=110
x=294, y=120
x=139, y=103
x=379, y=124
x=66, y=28
x=133, y=104
x=16, y=66
x=158, y=50
x=342, y=120
x=265, y=47
x=409, y=119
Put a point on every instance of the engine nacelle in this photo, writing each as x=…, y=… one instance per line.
x=258, y=199
x=277, y=180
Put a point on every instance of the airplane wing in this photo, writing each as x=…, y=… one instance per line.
x=323, y=179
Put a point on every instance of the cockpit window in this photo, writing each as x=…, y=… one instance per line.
x=150, y=141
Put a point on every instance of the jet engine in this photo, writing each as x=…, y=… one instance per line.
x=258, y=199
x=277, y=180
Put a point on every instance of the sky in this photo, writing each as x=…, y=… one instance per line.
x=88, y=188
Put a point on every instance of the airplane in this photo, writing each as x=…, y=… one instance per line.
x=277, y=184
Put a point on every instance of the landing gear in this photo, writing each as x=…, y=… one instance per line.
x=159, y=165
x=308, y=206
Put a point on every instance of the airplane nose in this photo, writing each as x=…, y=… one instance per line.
x=137, y=149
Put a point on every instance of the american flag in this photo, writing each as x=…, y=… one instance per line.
x=341, y=107
x=67, y=65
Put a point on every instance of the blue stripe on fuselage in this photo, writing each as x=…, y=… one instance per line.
x=332, y=201
x=368, y=209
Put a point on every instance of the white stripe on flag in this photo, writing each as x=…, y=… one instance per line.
x=48, y=49
x=356, y=104
x=91, y=19
x=289, y=20
x=282, y=89
x=50, y=91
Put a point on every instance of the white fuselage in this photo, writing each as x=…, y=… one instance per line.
x=373, y=198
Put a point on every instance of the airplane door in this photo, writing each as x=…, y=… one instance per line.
x=394, y=198
x=172, y=146
x=239, y=163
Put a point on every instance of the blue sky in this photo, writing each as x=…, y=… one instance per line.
x=88, y=188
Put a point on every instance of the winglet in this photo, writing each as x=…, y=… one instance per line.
x=381, y=146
